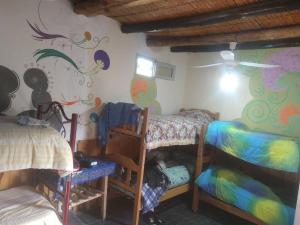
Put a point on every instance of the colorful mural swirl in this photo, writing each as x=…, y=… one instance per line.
x=276, y=104
x=101, y=58
x=144, y=92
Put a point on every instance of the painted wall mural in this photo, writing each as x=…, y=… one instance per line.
x=9, y=84
x=144, y=93
x=86, y=42
x=56, y=52
x=37, y=80
x=74, y=58
x=276, y=92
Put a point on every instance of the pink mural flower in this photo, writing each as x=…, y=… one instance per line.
x=288, y=59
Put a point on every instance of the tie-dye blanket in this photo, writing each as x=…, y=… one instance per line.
x=263, y=149
x=247, y=194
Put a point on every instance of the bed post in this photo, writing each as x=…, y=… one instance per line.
x=69, y=181
x=73, y=132
x=67, y=187
x=199, y=166
x=39, y=113
x=140, y=175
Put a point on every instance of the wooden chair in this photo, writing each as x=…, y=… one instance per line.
x=126, y=146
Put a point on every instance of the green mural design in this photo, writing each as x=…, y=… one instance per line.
x=275, y=106
x=144, y=93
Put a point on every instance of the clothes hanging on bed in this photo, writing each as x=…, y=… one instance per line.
x=115, y=115
x=154, y=175
x=151, y=197
x=155, y=184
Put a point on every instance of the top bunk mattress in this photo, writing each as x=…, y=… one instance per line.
x=175, y=129
x=263, y=149
x=24, y=147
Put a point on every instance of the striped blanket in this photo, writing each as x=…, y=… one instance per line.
x=24, y=147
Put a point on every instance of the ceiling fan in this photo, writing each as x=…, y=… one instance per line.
x=228, y=57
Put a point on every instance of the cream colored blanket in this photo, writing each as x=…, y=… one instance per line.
x=24, y=206
x=23, y=147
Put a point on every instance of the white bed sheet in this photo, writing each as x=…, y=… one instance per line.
x=24, y=206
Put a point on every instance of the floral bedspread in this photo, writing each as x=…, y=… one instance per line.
x=178, y=129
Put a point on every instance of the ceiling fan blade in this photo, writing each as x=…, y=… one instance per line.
x=260, y=65
x=209, y=65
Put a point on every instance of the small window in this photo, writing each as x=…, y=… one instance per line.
x=151, y=68
x=145, y=66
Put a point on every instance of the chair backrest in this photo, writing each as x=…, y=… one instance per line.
x=126, y=147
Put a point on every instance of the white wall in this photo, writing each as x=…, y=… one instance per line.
x=17, y=47
x=203, y=89
x=124, y=47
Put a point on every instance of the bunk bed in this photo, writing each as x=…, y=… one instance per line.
x=35, y=147
x=240, y=171
x=129, y=145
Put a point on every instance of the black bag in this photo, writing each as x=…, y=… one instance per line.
x=154, y=175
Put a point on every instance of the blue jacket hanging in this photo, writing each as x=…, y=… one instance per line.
x=114, y=115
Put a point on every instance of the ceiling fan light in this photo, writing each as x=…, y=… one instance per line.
x=227, y=55
x=229, y=83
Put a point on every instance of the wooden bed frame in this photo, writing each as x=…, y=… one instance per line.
x=206, y=155
x=127, y=148
x=56, y=107
x=28, y=176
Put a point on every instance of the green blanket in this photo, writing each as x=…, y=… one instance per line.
x=247, y=194
x=263, y=149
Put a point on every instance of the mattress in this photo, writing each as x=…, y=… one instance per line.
x=23, y=206
x=262, y=149
x=176, y=129
x=247, y=194
x=23, y=147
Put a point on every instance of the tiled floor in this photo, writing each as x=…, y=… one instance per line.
x=175, y=212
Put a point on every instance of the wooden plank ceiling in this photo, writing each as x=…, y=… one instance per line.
x=203, y=25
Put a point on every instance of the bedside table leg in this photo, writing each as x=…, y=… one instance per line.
x=104, y=183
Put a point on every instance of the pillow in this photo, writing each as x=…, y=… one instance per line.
x=197, y=114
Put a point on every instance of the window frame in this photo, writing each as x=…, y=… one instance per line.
x=154, y=70
x=148, y=58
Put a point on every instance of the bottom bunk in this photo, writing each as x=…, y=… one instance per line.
x=23, y=206
x=178, y=164
x=257, y=202
x=179, y=173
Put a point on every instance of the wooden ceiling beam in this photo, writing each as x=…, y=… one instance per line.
x=136, y=3
x=89, y=7
x=246, y=36
x=97, y=7
x=254, y=9
x=279, y=43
